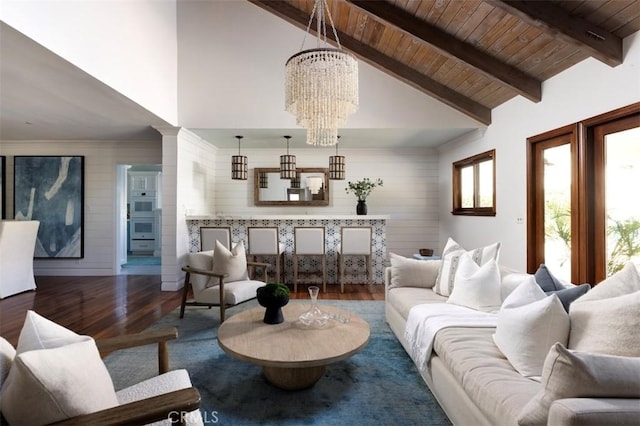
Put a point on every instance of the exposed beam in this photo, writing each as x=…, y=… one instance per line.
x=448, y=45
x=600, y=44
x=384, y=63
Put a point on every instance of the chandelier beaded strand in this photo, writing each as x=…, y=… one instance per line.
x=239, y=164
x=321, y=84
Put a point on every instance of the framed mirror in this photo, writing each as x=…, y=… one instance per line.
x=309, y=188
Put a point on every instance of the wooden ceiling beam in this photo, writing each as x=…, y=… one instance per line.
x=384, y=63
x=491, y=67
x=558, y=22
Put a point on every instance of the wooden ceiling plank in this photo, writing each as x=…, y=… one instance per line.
x=476, y=19
x=600, y=44
x=463, y=16
x=386, y=63
x=490, y=66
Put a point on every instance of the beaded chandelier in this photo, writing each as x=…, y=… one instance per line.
x=321, y=85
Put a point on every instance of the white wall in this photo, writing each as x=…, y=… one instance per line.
x=129, y=45
x=409, y=194
x=585, y=90
x=101, y=158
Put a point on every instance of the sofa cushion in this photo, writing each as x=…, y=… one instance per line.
x=606, y=326
x=407, y=272
x=405, y=298
x=567, y=293
x=56, y=374
x=486, y=375
x=568, y=374
x=477, y=287
x=625, y=281
x=232, y=263
x=450, y=259
x=526, y=330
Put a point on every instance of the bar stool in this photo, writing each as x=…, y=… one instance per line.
x=309, y=241
x=265, y=241
x=356, y=242
x=209, y=235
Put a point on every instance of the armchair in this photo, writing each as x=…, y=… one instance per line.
x=220, y=278
x=169, y=397
x=151, y=409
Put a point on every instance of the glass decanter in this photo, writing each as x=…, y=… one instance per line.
x=314, y=317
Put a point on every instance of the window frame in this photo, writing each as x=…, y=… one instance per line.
x=473, y=161
x=587, y=199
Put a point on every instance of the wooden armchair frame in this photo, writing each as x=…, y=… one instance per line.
x=166, y=406
x=223, y=305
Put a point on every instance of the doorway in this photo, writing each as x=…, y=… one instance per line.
x=139, y=213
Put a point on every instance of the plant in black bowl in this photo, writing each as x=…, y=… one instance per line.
x=273, y=296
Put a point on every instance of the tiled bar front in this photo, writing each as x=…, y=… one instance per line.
x=286, y=224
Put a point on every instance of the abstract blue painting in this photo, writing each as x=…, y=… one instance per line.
x=51, y=189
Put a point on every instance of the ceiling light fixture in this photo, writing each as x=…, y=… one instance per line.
x=239, y=164
x=321, y=84
x=287, y=164
x=337, y=165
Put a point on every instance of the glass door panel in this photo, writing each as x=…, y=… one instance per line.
x=621, y=179
x=557, y=210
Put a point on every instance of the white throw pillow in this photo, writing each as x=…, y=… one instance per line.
x=232, y=263
x=625, y=281
x=524, y=333
x=477, y=287
x=607, y=326
x=528, y=291
x=511, y=281
x=407, y=272
x=568, y=374
x=450, y=260
x=50, y=381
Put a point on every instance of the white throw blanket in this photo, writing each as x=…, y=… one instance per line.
x=425, y=320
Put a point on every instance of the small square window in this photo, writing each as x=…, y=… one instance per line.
x=474, y=185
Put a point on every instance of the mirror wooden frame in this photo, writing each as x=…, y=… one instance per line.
x=256, y=188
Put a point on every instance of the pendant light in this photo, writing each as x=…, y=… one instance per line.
x=337, y=165
x=239, y=164
x=287, y=164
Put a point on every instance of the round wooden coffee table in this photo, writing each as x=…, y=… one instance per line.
x=292, y=355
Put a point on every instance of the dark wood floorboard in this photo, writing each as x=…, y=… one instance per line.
x=115, y=305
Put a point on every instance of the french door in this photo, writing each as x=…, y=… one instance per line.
x=583, y=214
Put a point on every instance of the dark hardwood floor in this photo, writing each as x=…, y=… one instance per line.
x=115, y=305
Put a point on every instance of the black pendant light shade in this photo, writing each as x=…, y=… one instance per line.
x=239, y=164
x=287, y=164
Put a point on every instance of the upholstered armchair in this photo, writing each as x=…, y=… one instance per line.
x=55, y=376
x=220, y=277
x=17, y=246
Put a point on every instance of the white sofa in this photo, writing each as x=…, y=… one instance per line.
x=475, y=384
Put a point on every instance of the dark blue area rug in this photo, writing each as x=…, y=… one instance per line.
x=378, y=386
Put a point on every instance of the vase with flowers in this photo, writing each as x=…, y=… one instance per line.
x=362, y=188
